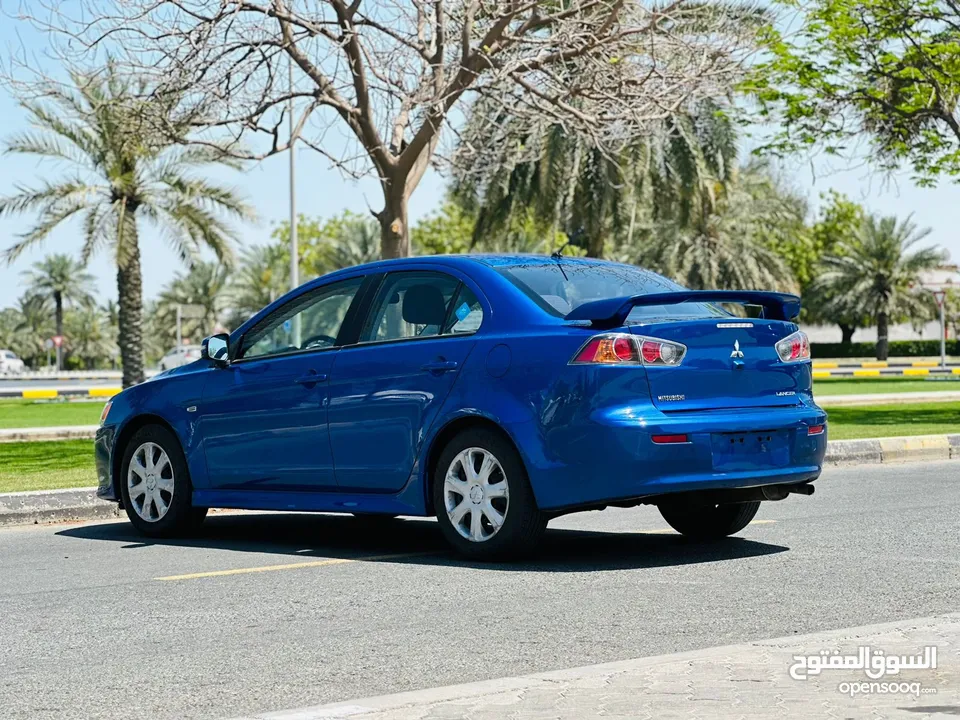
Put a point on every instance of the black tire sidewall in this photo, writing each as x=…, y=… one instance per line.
x=523, y=524
x=709, y=523
x=181, y=516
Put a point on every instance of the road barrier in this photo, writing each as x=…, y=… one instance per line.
x=876, y=364
x=853, y=372
x=54, y=393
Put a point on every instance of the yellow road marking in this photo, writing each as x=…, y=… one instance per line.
x=874, y=364
x=103, y=392
x=866, y=373
x=39, y=394
x=287, y=566
x=916, y=371
x=956, y=371
x=925, y=363
x=824, y=365
x=821, y=373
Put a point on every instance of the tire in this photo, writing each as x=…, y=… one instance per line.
x=709, y=522
x=503, y=491
x=170, y=483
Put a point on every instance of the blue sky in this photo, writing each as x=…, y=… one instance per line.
x=322, y=191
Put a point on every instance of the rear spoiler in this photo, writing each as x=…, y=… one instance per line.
x=613, y=312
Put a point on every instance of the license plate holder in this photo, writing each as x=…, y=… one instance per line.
x=751, y=450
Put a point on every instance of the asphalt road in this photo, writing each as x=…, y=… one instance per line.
x=88, y=630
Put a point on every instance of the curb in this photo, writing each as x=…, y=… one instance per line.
x=457, y=698
x=48, y=506
x=918, y=448
x=71, y=432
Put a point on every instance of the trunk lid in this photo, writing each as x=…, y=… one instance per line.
x=729, y=363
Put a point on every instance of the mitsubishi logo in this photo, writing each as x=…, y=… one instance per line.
x=737, y=352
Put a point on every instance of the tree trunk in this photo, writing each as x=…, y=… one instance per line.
x=130, y=316
x=846, y=332
x=883, y=344
x=596, y=244
x=58, y=313
x=394, y=233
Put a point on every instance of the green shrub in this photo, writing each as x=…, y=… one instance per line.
x=898, y=348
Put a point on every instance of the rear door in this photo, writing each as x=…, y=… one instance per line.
x=386, y=391
x=729, y=363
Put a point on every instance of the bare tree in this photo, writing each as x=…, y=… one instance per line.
x=395, y=73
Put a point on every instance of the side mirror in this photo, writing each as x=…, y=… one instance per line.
x=216, y=348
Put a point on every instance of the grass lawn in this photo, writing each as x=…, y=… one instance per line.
x=848, y=423
x=46, y=465
x=883, y=385
x=16, y=413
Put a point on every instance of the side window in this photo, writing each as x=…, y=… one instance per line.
x=467, y=313
x=409, y=305
x=310, y=322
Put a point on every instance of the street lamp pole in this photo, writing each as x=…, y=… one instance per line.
x=943, y=333
x=294, y=251
x=941, y=298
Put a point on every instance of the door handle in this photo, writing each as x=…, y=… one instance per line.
x=441, y=366
x=311, y=378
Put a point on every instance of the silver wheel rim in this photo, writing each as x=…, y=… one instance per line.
x=476, y=494
x=150, y=482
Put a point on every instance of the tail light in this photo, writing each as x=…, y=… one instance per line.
x=815, y=430
x=794, y=348
x=627, y=349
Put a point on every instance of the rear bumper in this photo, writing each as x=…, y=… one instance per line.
x=613, y=457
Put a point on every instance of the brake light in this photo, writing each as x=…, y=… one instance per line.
x=794, y=348
x=627, y=349
x=815, y=430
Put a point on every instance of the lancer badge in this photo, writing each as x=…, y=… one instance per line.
x=737, y=352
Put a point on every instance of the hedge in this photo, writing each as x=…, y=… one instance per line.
x=898, y=348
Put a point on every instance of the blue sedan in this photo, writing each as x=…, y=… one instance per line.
x=493, y=392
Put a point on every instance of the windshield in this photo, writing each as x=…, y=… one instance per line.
x=558, y=287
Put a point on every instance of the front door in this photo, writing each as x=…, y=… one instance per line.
x=386, y=391
x=264, y=417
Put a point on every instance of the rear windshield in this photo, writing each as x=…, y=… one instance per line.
x=558, y=287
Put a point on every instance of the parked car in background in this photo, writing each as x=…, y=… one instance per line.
x=182, y=355
x=10, y=363
x=494, y=392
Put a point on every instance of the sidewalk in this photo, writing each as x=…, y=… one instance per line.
x=829, y=401
x=751, y=680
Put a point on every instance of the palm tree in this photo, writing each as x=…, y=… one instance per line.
x=876, y=275
x=63, y=280
x=126, y=173
x=574, y=187
x=262, y=275
x=33, y=325
x=203, y=287
x=347, y=240
x=90, y=338
x=730, y=236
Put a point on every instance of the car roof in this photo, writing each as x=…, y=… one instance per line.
x=493, y=260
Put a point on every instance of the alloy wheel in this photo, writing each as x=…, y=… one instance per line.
x=476, y=494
